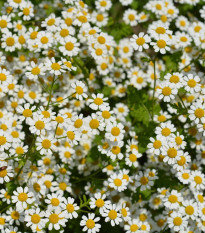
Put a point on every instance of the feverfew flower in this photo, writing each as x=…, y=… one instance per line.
x=80, y=90
x=89, y=223
x=22, y=197
x=140, y=42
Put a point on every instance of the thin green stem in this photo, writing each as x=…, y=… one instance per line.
x=27, y=156
x=50, y=94
x=52, y=103
x=182, y=101
x=84, y=70
x=192, y=61
x=155, y=81
x=56, y=130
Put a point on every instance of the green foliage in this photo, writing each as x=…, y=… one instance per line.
x=172, y=61
x=141, y=107
x=120, y=30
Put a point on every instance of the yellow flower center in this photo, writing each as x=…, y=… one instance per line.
x=35, y=218
x=174, y=79
x=191, y=83
x=182, y=161
x=27, y=113
x=166, y=132
x=185, y=176
x=94, y=124
x=178, y=140
x=3, y=23
x=132, y=158
x=10, y=41
x=160, y=30
x=189, y=210
x=78, y=123
x=99, y=52
x=140, y=41
x=59, y=119
x=131, y=17
x=199, y=112
x=3, y=173
x=158, y=6
x=71, y=135
x=197, y=28
x=103, y=3
x=116, y=150
x=2, y=140
x=70, y=208
x=39, y=125
x=33, y=35
x=161, y=44
x=63, y=186
x=142, y=217
x=99, y=203
x=172, y=199
x=115, y=131
x=183, y=39
x=140, y=80
x=69, y=46
x=198, y=179
x=44, y=40
x=157, y=144
x=106, y=114
x=166, y=91
x=172, y=152
x=55, y=66
x=15, y=134
x=2, y=77
x=134, y=228
x=53, y=218
x=48, y=183
x=126, y=49
x=90, y=223
x=144, y=180
x=79, y=90
x=26, y=11
x=170, y=11
x=157, y=201
x=55, y=201
x=46, y=143
x=36, y=187
x=112, y=214
x=101, y=40
x=98, y=101
x=118, y=182
x=2, y=221
x=22, y=197
x=19, y=150
x=15, y=215
x=64, y=32
x=50, y=22
x=177, y=221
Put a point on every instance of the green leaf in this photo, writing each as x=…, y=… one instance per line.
x=135, y=5
x=120, y=30
x=145, y=59
x=141, y=114
x=107, y=91
x=146, y=194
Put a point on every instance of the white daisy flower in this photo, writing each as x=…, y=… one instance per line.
x=140, y=42
x=90, y=224
x=22, y=197
x=70, y=208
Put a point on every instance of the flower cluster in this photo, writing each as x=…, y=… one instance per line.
x=102, y=116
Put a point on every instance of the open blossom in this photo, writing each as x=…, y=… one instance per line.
x=141, y=41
